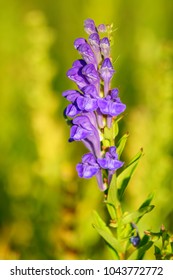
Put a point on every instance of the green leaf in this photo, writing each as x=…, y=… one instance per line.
x=125, y=176
x=157, y=253
x=115, y=129
x=136, y=214
x=111, y=133
x=112, y=198
x=106, y=233
x=121, y=144
x=147, y=201
x=139, y=253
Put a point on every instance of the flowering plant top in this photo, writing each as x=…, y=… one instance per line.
x=94, y=106
x=93, y=113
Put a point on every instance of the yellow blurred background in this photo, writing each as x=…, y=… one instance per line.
x=45, y=209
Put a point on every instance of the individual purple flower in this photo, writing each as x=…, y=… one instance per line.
x=88, y=101
x=111, y=105
x=110, y=161
x=102, y=28
x=91, y=90
x=105, y=47
x=87, y=54
x=72, y=110
x=91, y=74
x=78, y=42
x=76, y=75
x=88, y=168
x=79, y=63
x=89, y=26
x=71, y=94
x=83, y=129
x=106, y=71
x=81, y=103
x=94, y=41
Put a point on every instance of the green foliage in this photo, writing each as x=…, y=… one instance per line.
x=121, y=144
x=125, y=176
x=163, y=248
x=136, y=215
x=112, y=201
x=106, y=233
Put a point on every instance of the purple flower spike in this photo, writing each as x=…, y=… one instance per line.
x=87, y=53
x=105, y=47
x=93, y=106
x=88, y=167
x=110, y=161
x=75, y=75
x=91, y=74
x=89, y=26
x=106, y=70
x=78, y=42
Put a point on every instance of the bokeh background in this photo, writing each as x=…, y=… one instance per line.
x=45, y=209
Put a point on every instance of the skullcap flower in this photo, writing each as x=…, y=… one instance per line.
x=91, y=74
x=102, y=28
x=89, y=26
x=78, y=42
x=76, y=75
x=110, y=161
x=79, y=63
x=105, y=47
x=106, y=70
x=111, y=104
x=94, y=41
x=88, y=167
x=88, y=101
x=71, y=94
x=83, y=129
x=87, y=53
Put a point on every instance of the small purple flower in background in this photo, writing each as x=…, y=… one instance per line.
x=95, y=105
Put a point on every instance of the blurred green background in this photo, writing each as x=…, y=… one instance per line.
x=45, y=209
